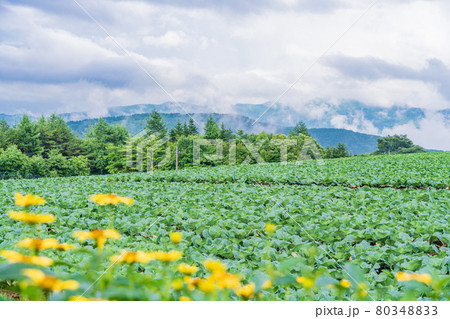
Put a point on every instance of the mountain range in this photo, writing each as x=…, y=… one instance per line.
x=326, y=120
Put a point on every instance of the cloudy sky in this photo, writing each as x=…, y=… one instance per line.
x=55, y=58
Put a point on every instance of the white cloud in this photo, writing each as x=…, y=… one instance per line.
x=54, y=58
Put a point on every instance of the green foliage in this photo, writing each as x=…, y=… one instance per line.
x=5, y=134
x=337, y=152
x=211, y=128
x=397, y=144
x=191, y=127
x=222, y=213
x=155, y=124
x=299, y=128
x=26, y=137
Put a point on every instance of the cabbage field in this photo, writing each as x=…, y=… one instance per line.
x=361, y=228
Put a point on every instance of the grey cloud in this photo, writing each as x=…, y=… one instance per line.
x=369, y=68
x=236, y=6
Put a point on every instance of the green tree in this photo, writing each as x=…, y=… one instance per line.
x=99, y=138
x=337, y=152
x=397, y=144
x=300, y=128
x=63, y=138
x=155, y=124
x=27, y=138
x=192, y=128
x=225, y=133
x=185, y=129
x=177, y=131
x=5, y=134
x=13, y=162
x=211, y=128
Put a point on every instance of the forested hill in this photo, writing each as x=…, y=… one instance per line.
x=357, y=143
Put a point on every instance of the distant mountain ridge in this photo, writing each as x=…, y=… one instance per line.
x=357, y=143
x=342, y=121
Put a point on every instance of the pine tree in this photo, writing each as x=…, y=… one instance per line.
x=192, y=128
x=225, y=133
x=300, y=128
x=177, y=131
x=26, y=137
x=211, y=128
x=185, y=129
x=5, y=134
x=155, y=124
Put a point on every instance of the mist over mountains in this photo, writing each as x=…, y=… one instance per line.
x=330, y=123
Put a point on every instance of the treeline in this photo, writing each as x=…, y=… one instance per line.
x=48, y=147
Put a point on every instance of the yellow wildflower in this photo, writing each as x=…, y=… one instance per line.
x=168, y=256
x=362, y=290
x=306, y=282
x=15, y=257
x=82, y=298
x=225, y=280
x=246, y=291
x=110, y=199
x=131, y=257
x=267, y=284
x=191, y=282
x=31, y=218
x=184, y=298
x=64, y=246
x=186, y=269
x=50, y=283
x=270, y=228
x=28, y=200
x=423, y=278
x=214, y=265
x=175, y=237
x=38, y=244
x=42, y=244
x=207, y=286
x=345, y=283
x=98, y=235
x=177, y=284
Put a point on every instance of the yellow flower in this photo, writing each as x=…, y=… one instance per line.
x=214, y=266
x=131, y=257
x=28, y=200
x=184, y=298
x=191, y=282
x=186, y=269
x=306, y=282
x=31, y=218
x=38, y=244
x=225, y=280
x=267, y=284
x=42, y=244
x=423, y=278
x=64, y=246
x=246, y=291
x=82, y=298
x=168, y=256
x=207, y=286
x=177, y=284
x=15, y=257
x=362, y=290
x=110, y=199
x=50, y=283
x=270, y=228
x=345, y=283
x=175, y=237
x=98, y=235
